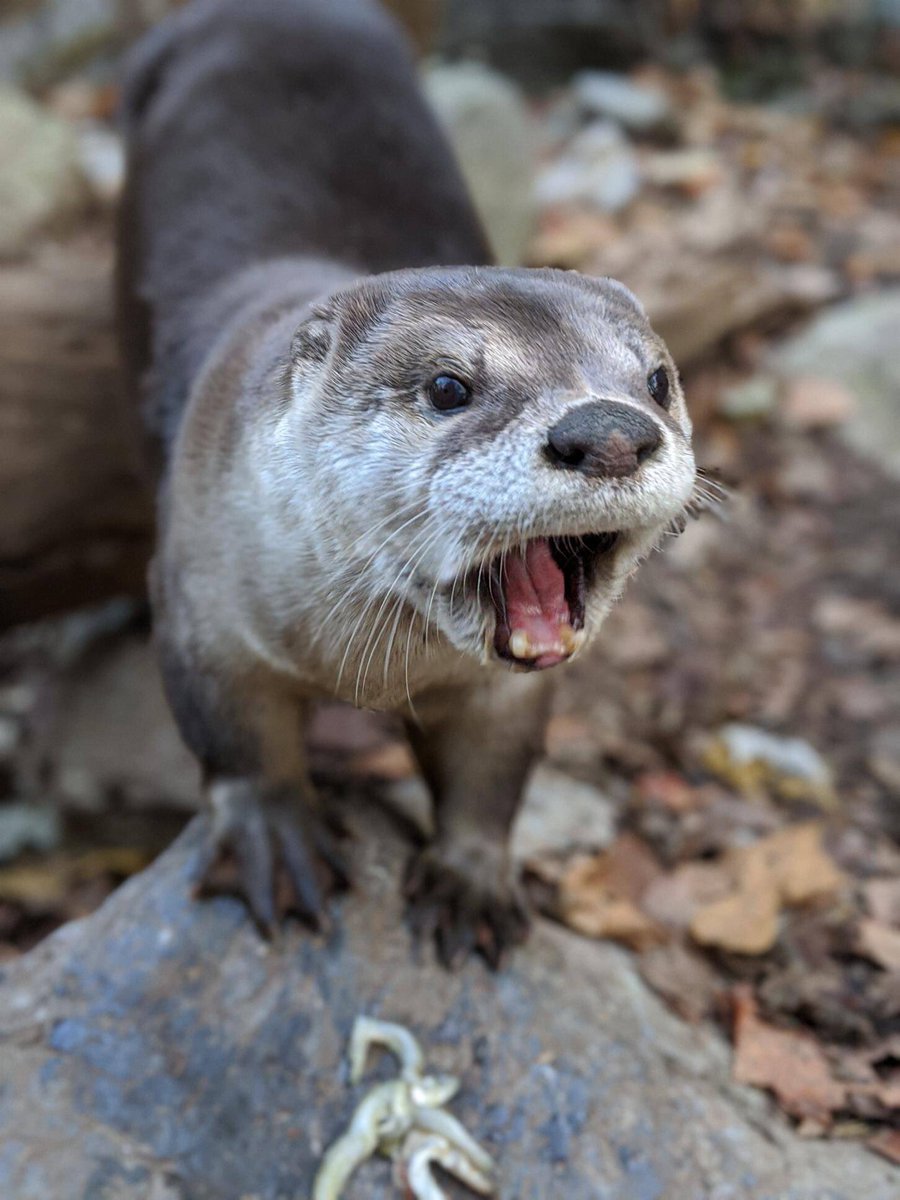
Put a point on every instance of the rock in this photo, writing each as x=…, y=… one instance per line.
x=560, y=812
x=487, y=122
x=637, y=107
x=852, y=344
x=47, y=40
x=748, y=758
x=42, y=188
x=159, y=1049
x=27, y=827
x=102, y=158
x=747, y=401
x=599, y=167
x=112, y=731
x=691, y=171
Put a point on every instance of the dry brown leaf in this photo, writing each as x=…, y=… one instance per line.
x=789, y=867
x=673, y=899
x=624, y=869
x=791, y=1065
x=883, y=900
x=887, y=1144
x=598, y=893
x=669, y=790
x=43, y=885
x=109, y=860
x=880, y=943
x=46, y=884
x=603, y=916
x=865, y=622
x=811, y=402
x=802, y=869
x=746, y=922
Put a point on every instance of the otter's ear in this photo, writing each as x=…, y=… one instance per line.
x=315, y=336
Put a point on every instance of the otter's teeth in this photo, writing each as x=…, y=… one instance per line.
x=571, y=638
x=520, y=644
x=523, y=647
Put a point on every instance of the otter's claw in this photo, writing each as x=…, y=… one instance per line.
x=253, y=841
x=463, y=914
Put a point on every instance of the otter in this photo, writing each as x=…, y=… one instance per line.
x=390, y=472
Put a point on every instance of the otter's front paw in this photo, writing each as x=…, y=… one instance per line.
x=268, y=848
x=467, y=903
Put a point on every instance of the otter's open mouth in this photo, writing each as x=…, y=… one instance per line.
x=538, y=593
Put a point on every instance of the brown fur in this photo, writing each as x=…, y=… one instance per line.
x=323, y=530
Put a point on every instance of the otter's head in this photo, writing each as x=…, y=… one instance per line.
x=498, y=450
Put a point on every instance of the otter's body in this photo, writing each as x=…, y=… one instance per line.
x=385, y=478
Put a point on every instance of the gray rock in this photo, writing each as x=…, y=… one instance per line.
x=559, y=812
x=756, y=397
x=636, y=107
x=45, y=40
x=854, y=343
x=26, y=826
x=111, y=732
x=159, y=1049
x=102, y=158
x=487, y=122
x=41, y=183
x=599, y=167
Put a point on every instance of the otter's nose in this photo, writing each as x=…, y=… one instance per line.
x=603, y=439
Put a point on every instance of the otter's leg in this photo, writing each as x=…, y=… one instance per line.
x=475, y=746
x=265, y=818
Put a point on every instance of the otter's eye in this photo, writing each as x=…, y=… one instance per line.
x=447, y=393
x=658, y=386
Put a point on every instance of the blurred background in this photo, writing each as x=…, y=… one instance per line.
x=734, y=740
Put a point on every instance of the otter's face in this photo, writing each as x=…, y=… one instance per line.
x=500, y=449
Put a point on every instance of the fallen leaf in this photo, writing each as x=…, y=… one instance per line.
x=598, y=893
x=811, y=402
x=866, y=623
x=669, y=790
x=789, y=867
x=604, y=916
x=791, y=1065
x=673, y=899
x=624, y=869
x=791, y=243
x=802, y=869
x=880, y=943
x=42, y=885
x=746, y=922
x=46, y=884
x=883, y=900
x=110, y=860
x=887, y=1144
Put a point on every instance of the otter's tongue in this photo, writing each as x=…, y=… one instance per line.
x=535, y=625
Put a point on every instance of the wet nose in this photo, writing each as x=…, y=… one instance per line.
x=603, y=439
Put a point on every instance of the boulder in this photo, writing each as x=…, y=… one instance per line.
x=853, y=344
x=159, y=1049
x=42, y=187
x=487, y=122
